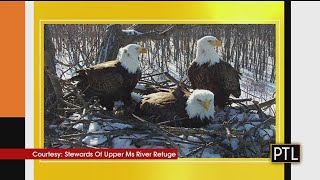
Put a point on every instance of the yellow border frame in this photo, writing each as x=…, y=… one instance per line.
x=165, y=13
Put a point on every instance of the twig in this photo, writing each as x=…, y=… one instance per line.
x=183, y=130
x=170, y=121
x=162, y=132
x=117, y=132
x=151, y=75
x=180, y=83
x=260, y=112
x=262, y=105
x=230, y=101
x=69, y=104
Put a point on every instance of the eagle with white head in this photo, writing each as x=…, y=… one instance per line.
x=200, y=105
x=209, y=71
x=178, y=108
x=113, y=80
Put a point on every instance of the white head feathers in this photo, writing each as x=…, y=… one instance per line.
x=129, y=57
x=206, y=52
x=200, y=104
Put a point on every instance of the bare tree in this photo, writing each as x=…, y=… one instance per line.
x=53, y=89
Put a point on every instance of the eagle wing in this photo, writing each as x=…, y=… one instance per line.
x=196, y=76
x=101, y=78
x=218, y=78
x=227, y=77
x=162, y=106
x=203, y=77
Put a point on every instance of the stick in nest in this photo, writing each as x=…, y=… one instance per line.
x=160, y=131
x=179, y=83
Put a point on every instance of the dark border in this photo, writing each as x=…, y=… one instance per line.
x=12, y=133
x=287, y=97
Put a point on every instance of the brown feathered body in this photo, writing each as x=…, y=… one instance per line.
x=220, y=78
x=168, y=106
x=109, y=81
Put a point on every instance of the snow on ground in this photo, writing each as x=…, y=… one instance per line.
x=136, y=97
x=94, y=127
x=94, y=140
x=234, y=143
x=78, y=126
x=173, y=71
x=115, y=126
x=64, y=146
x=209, y=153
x=260, y=91
x=118, y=104
x=266, y=133
x=52, y=126
x=140, y=86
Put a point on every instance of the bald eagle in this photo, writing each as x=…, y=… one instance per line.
x=208, y=71
x=186, y=109
x=113, y=80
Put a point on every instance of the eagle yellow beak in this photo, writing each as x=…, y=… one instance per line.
x=142, y=50
x=205, y=104
x=216, y=43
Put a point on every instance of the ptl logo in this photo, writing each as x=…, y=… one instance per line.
x=288, y=153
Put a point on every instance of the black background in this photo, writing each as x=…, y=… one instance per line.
x=12, y=135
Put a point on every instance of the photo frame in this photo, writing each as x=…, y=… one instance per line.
x=178, y=13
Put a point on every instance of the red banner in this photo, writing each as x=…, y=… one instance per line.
x=15, y=154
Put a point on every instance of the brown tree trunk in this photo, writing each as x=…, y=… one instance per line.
x=227, y=44
x=53, y=89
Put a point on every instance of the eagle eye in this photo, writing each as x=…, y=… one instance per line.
x=209, y=41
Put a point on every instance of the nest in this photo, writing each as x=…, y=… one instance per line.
x=243, y=131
